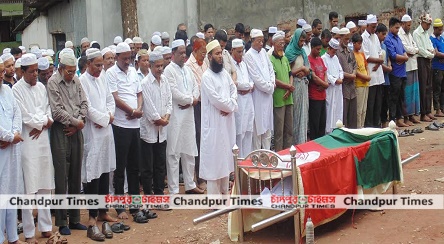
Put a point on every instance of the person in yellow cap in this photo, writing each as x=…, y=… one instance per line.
x=438, y=68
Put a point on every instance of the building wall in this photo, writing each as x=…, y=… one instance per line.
x=103, y=21
x=416, y=7
x=37, y=33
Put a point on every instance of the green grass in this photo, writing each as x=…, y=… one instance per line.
x=4, y=45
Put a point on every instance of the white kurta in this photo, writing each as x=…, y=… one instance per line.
x=11, y=173
x=261, y=72
x=218, y=132
x=181, y=135
x=334, y=91
x=99, y=154
x=38, y=169
x=245, y=113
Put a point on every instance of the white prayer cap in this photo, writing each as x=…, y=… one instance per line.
x=69, y=44
x=256, y=33
x=68, y=59
x=177, y=43
x=406, y=18
x=7, y=50
x=272, y=29
x=165, y=35
x=92, y=53
x=44, y=53
x=307, y=28
x=372, y=19
x=43, y=63
x=90, y=44
x=344, y=31
x=1, y=61
x=156, y=33
x=335, y=30
x=66, y=50
x=213, y=44
x=350, y=25
x=18, y=63
x=28, y=59
x=137, y=39
x=117, y=40
x=362, y=22
x=105, y=50
x=7, y=56
x=128, y=41
x=113, y=49
x=84, y=39
x=333, y=43
x=123, y=47
x=166, y=50
x=278, y=35
x=23, y=49
x=155, y=55
x=200, y=35
x=239, y=43
x=158, y=48
x=38, y=52
x=302, y=22
x=156, y=40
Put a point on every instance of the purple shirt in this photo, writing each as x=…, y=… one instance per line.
x=394, y=47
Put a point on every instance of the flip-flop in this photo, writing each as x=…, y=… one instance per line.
x=410, y=132
x=148, y=214
x=439, y=125
x=116, y=228
x=432, y=127
x=140, y=218
x=417, y=130
x=403, y=133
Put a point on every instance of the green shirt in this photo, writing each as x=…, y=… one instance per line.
x=323, y=51
x=282, y=70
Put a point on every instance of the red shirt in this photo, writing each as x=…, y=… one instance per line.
x=318, y=67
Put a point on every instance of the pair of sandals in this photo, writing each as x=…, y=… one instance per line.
x=119, y=227
x=434, y=126
x=143, y=216
x=412, y=132
x=56, y=238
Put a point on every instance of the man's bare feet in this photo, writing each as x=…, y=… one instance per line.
x=31, y=240
x=17, y=242
x=46, y=234
x=123, y=215
x=107, y=218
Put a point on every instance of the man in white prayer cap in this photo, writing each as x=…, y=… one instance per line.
x=351, y=26
x=279, y=33
x=165, y=39
x=84, y=44
x=137, y=43
x=117, y=40
x=69, y=44
x=181, y=134
x=69, y=112
x=217, y=122
x=37, y=52
x=108, y=58
x=18, y=69
x=155, y=41
x=335, y=33
x=23, y=49
x=44, y=71
x=261, y=72
x=271, y=31
x=362, y=23
x=200, y=35
x=308, y=31
x=132, y=46
x=167, y=53
x=37, y=164
x=6, y=50
x=8, y=64
x=11, y=172
x=300, y=23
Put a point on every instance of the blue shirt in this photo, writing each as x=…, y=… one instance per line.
x=438, y=43
x=386, y=75
x=395, y=47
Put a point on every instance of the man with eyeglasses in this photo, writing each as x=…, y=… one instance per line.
x=69, y=107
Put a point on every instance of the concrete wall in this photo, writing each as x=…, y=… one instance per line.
x=416, y=7
x=103, y=21
x=164, y=15
x=37, y=33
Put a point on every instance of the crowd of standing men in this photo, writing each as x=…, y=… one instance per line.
x=131, y=114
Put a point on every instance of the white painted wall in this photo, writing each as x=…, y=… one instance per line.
x=37, y=33
x=104, y=21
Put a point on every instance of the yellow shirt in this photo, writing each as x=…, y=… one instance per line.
x=361, y=62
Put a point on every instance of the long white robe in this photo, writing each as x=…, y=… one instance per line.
x=99, y=154
x=334, y=91
x=38, y=168
x=218, y=132
x=261, y=72
x=11, y=173
x=181, y=135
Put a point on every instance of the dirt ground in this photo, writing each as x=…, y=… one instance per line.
x=389, y=226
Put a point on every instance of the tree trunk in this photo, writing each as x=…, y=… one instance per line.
x=129, y=18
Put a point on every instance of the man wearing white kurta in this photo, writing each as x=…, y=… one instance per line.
x=261, y=72
x=11, y=173
x=245, y=114
x=218, y=133
x=335, y=75
x=181, y=134
x=38, y=169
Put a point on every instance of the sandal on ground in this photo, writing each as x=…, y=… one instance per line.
x=57, y=239
x=437, y=124
x=140, y=218
x=403, y=133
x=432, y=127
x=417, y=131
x=148, y=214
x=119, y=227
x=410, y=132
x=20, y=228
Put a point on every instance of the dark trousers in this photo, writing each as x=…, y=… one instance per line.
x=385, y=103
x=197, y=119
x=374, y=102
x=67, y=154
x=98, y=186
x=127, y=143
x=153, y=167
x=396, y=98
x=350, y=113
x=438, y=89
x=317, y=118
x=425, y=85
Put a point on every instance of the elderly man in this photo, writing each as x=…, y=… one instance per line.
x=108, y=59
x=308, y=32
x=69, y=109
x=84, y=44
x=38, y=169
x=245, y=113
x=282, y=95
x=261, y=72
x=99, y=158
x=166, y=53
x=44, y=70
x=218, y=106
x=411, y=91
x=425, y=55
x=181, y=130
x=8, y=63
x=372, y=51
x=348, y=64
x=165, y=39
x=124, y=85
x=11, y=172
x=438, y=68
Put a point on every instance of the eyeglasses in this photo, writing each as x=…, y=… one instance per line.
x=69, y=72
